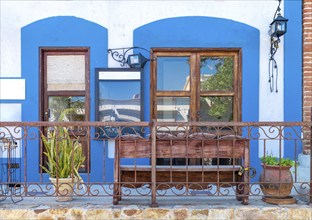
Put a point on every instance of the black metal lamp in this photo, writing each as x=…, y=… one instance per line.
x=133, y=60
x=278, y=28
x=136, y=60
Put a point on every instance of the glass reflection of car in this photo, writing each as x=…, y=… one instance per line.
x=120, y=115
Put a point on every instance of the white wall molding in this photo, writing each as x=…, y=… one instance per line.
x=12, y=89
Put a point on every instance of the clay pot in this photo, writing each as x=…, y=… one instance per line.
x=276, y=181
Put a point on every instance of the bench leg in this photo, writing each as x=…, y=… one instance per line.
x=154, y=205
x=245, y=200
x=240, y=188
x=115, y=201
x=242, y=193
x=246, y=193
x=116, y=194
x=239, y=191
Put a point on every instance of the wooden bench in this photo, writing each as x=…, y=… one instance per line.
x=193, y=177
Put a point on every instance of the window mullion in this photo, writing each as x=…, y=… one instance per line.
x=173, y=93
x=217, y=93
x=193, y=88
x=66, y=93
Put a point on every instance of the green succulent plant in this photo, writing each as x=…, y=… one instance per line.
x=275, y=161
x=64, y=154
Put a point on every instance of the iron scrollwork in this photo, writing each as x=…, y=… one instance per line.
x=120, y=54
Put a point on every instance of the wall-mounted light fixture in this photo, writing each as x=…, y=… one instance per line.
x=278, y=28
x=136, y=60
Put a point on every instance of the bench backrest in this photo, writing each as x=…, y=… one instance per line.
x=210, y=148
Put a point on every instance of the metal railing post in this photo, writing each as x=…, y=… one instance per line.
x=153, y=162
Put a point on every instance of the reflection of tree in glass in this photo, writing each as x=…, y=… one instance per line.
x=216, y=109
x=64, y=108
x=219, y=107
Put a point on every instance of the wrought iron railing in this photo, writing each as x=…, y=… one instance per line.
x=159, y=159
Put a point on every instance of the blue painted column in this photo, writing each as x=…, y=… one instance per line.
x=293, y=61
x=293, y=87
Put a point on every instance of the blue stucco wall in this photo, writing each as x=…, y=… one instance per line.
x=61, y=31
x=208, y=32
x=293, y=61
x=293, y=72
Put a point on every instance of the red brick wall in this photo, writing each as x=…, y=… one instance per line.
x=307, y=62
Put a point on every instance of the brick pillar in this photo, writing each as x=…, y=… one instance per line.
x=307, y=64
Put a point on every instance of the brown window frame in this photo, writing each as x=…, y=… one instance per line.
x=44, y=52
x=44, y=93
x=195, y=94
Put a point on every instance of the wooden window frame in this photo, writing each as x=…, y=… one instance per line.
x=44, y=94
x=46, y=51
x=195, y=94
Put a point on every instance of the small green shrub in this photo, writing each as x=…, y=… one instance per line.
x=275, y=161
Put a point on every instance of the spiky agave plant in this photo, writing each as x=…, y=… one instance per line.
x=64, y=155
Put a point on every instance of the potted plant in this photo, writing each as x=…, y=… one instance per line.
x=64, y=158
x=276, y=180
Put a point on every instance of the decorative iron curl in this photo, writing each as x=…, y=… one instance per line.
x=107, y=189
x=93, y=189
x=215, y=189
x=97, y=135
x=6, y=131
x=119, y=57
x=254, y=189
x=2, y=133
x=223, y=189
x=291, y=133
x=129, y=132
x=125, y=192
x=120, y=54
x=200, y=186
x=229, y=130
x=135, y=189
x=144, y=190
x=81, y=189
x=302, y=187
x=275, y=130
x=35, y=189
x=31, y=133
x=265, y=132
x=177, y=189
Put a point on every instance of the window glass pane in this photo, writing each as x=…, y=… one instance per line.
x=216, y=73
x=66, y=72
x=173, y=109
x=119, y=100
x=216, y=109
x=173, y=73
x=67, y=108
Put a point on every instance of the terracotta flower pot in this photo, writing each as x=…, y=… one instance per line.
x=276, y=181
x=65, y=189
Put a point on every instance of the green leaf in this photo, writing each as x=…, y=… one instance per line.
x=64, y=155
